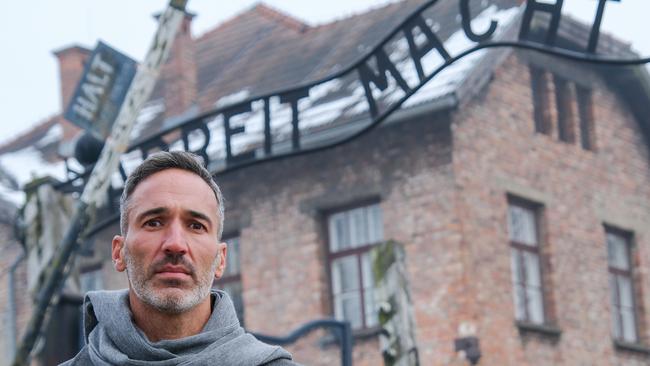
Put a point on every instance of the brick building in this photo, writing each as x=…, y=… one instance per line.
x=13, y=279
x=519, y=190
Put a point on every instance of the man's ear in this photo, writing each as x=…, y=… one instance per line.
x=117, y=253
x=221, y=257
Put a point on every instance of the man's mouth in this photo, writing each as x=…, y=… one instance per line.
x=172, y=271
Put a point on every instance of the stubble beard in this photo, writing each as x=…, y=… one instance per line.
x=171, y=300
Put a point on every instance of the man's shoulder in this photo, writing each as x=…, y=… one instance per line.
x=281, y=362
x=278, y=358
x=82, y=358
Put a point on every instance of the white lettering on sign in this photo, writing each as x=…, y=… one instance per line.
x=94, y=88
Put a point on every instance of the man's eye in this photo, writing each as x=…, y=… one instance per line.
x=153, y=223
x=197, y=226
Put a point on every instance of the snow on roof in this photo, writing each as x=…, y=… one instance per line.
x=451, y=77
x=232, y=98
x=15, y=197
x=440, y=85
x=344, y=98
x=26, y=165
x=148, y=113
x=53, y=134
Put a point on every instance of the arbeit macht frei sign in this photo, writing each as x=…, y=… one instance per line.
x=246, y=130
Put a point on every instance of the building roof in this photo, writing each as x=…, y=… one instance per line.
x=263, y=50
x=30, y=137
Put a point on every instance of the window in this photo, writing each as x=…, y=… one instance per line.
x=352, y=233
x=231, y=280
x=624, y=323
x=564, y=99
x=525, y=262
x=586, y=113
x=541, y=104
x=574, y=117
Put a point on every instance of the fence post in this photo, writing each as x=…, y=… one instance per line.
x=397, y=337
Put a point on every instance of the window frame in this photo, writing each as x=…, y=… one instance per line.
x=537, y=210
x=539, y=83
x=565, y=102
x=586, y=117
x=628, y=238
x=358, y=253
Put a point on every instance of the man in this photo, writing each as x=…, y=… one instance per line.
x=171, y=221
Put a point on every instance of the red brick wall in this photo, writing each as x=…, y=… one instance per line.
x=496, y=152
x=11, y=250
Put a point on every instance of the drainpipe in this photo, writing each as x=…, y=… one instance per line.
x=13, y=328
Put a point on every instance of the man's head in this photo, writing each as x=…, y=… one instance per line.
x=162, y=161
x=171, y=222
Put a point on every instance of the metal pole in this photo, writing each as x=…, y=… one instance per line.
x=94, y=192
x=346, y=345
x=343, y=333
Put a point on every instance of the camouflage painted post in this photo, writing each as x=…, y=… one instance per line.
x=46, y=215
x=397, y=337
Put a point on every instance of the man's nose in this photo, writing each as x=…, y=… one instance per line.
x=175, y=240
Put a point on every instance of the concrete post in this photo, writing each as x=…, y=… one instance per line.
x=397, y=338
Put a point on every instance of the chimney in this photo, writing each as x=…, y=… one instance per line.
x=178, y=75
x=72, y=61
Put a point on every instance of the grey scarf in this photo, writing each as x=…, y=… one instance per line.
x=113, y=339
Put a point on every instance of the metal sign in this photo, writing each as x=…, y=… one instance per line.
x=285, y=123
x=101, y=90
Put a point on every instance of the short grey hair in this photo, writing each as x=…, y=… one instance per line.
x=162, y=161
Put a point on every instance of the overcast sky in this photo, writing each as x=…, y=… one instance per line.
x=31, y=29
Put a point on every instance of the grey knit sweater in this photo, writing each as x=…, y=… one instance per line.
x=113, y=339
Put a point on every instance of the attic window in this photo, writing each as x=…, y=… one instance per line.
x=573, y=118
x=565, y=100
x=541, y=103
x=586, y=114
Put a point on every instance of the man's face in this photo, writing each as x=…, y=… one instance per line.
x=170, y=251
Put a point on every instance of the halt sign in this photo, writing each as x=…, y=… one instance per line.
x=101, y=90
